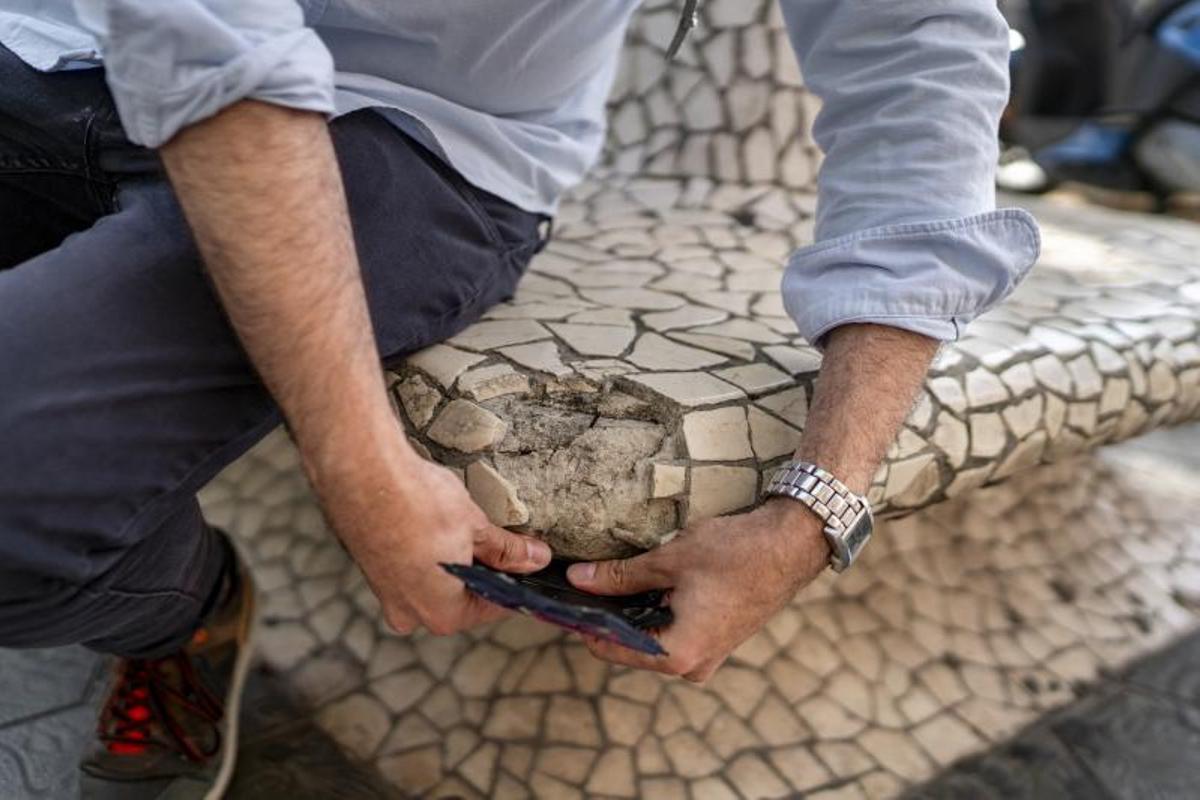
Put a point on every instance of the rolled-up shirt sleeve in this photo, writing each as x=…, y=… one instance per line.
x=907, y=232
x=171, y=63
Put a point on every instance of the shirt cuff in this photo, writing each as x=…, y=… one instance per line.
x=160, y=88
x=931, y=278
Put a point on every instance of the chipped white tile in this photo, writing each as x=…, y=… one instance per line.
x=490, y=334
x=689, y=388
x=594, y=340
x=443, y=363
x=656, y=352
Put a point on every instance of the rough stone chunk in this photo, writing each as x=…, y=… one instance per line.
x=495, y=495
x=420, y=399
x=484, y=383
x=464, y=426
x=579, y=490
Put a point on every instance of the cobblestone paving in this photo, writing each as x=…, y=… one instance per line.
x=963, y=623
x=648, y=349
x=1135, y=735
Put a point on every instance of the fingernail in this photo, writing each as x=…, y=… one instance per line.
x=583, y=573
x=538, y=552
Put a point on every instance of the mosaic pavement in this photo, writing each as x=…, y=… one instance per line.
x=647, y=356
x=647, y=349
x=962, y=624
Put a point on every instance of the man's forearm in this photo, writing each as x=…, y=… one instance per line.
x=869, y=379
x=263, y=194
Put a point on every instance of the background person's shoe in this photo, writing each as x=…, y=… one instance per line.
x=169, y=727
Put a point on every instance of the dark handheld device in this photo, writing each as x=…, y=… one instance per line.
x=550, y=597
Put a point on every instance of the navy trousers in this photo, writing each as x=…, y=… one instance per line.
x=123, y=388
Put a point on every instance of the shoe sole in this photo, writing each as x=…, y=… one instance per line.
x=233, y=708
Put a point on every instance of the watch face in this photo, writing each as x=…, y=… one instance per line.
x=550, y=597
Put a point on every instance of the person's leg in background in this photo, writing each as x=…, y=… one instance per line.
x=125, y=390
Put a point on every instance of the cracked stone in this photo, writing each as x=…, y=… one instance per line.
x=716, y=344
x=485, y=383
x=420, y=399
x=755, y=379
x=444, y=363
x=595, y=340
x=794, y=361
x=540, y=356
x=653, y=351
x=575, y=516
x=771, y=438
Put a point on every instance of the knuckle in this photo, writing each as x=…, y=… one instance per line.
x=618, y=574
x=440, y=627
x=397, y=622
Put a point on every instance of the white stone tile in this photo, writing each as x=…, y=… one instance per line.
x=1019, y=378
x=718, y=490
x=683, y=317
x=748, y=329
x=531, y=311
x=988, y=437
x=653, y=351
x=717, y=344
x=594, y=340
x=794, y=361
x=640, y=299
x=1088, y=382
x=689, y=388
x=734, y=302
x=667, y=480
x=771, y=438
x=498, y=333
x=755, y=379
x=950, y=436
x=984, y=388
x=1052, y=374
x=604, y=316
x=790, y=405
x=719, y=434
x=541, y=356
x=443, y=363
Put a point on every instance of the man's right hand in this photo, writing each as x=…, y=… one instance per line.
x=431, y=520
x=262, y=192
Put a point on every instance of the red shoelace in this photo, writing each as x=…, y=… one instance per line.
x=144, y=696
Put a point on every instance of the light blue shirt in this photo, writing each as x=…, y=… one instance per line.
x=512, y=93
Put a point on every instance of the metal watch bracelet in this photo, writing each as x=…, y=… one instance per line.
x=847, y=516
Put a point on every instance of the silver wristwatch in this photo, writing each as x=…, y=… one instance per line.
x=847, y=516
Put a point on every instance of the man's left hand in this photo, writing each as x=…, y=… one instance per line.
x=727, y=577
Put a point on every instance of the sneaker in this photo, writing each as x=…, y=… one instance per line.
x=169, y=726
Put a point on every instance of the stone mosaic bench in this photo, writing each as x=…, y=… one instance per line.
x=646, y=374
